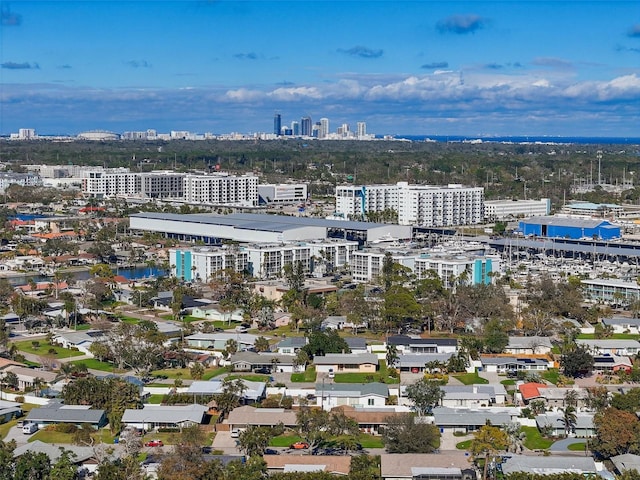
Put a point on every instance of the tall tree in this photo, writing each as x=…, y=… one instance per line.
x=425, y=395
x=617, y=432
x=488, y=441
x=402, y=434
x=577, y=362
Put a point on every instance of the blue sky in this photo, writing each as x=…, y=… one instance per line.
x=416, y=67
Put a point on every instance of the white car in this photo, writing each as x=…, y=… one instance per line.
x=235, y=433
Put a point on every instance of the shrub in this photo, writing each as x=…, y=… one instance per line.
x=20, y=399
x=168, y=430
x=52, y=351
x=66, y=428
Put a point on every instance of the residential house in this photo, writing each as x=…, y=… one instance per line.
x=425, y=466
x=407, y=344
x=274, y=362
x=246, y=416
x=608, y=363
x=336, y=322
x=466, y=420
x=533, y=345
x=291, y=345
x=554, y=422
x=77, y=415
x=357, y=344
x=554, y=397
x=339, y=465
x=473, y=396
x=372, y=419
x=27, y=376
x=626, y=348
x=346, y=363
x=164, y=300
x=255, y=391
x=549, y=464
x=79, y=340
x=417, y=362
x=622, y=324
x=276, y=289
x=218, y=341
x=9, y=410
x=530, y=391
x=330, y=395
x=165, y=416
x=626, y=462
x=504, y=364
x=213, y=312
x=82, y=457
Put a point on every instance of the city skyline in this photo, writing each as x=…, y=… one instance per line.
x=415, y=68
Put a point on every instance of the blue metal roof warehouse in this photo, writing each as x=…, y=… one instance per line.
x=565, y=227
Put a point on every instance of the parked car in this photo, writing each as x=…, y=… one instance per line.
x=264, y=370
x=271, y=451
x=331, y=373
x=235, y=433
x=29, y=428
x=154, y=443
x=299, y=445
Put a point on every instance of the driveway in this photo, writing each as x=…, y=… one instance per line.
x=224, y=442
x=15, y=433
x=563, y=445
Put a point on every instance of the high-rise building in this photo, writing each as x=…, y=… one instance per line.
x=324, y=128
x=423, y=205
x=295, y=128
x=306, y=127
x=277, y=124
x=362, y=129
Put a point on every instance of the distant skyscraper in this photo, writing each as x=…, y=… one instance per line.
x=324, y=128
x=295, y=128
x=362, y=129
x=277, y=124
x=306, y=126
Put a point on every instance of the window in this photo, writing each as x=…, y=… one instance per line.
x=370, y=401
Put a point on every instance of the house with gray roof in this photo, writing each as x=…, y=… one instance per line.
x=255, y=391
x=425, y=466
x=330, y=395
x=83, y=457
x=77, y=415
x=473, y=396
x=549, y=464
x=172, y=416
x=274, y=362
x=218, y=341
x=410, y=344
x=346, y=362
x=27, y=376
x=554, y=422
x=514, y=364
x=291, y=345
x=625, y=348
x=467, y=420
x=81, y=340
x=357, y=344
x=531, y=345
x=626, y=462
x=622, y=324
x=417, y=362
x=9, y=410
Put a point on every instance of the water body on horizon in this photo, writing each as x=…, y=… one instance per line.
x=522, y=139
x=136, y=273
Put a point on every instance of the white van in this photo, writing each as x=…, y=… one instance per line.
x=29, y=428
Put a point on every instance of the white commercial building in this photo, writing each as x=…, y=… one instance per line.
x=261, y=261
x=283, y=193
x=423, y=205
x=221, y=189
x=106, y=183
x=508, y=209
x=22, y=179
x=366, y=265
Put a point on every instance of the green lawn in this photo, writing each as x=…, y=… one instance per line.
x=551, y=375
x=51, y=436
x=82, y=326
x=125, y=319
x=95, y=364
x=370, y=441
x=614, y=336
x=250, y=377
x=284, y=440
x=309, y=375
x=465, y=445
x=27, y=347
x=381, y=376
x=535, y=441
x=185, y=373
x=471, y=378
x=155, y=398
x=577, y=447
x=508, y=382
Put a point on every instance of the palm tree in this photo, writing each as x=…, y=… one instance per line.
x=261, y=344
x=569, y=419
